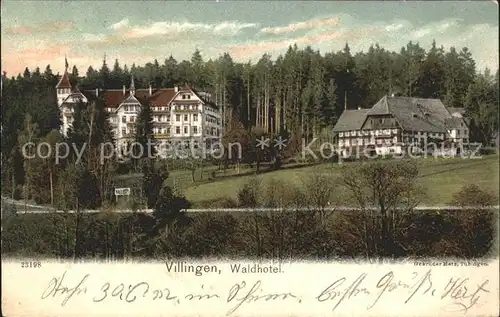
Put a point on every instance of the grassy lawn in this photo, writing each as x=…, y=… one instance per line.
x=440, y=178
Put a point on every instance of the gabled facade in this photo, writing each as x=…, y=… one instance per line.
x=179, y=115
x=395, y=123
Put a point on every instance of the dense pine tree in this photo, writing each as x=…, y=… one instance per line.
x=144, y=133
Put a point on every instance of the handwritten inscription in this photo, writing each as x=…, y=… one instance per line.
x=458, y=294
x=241, y=294
x=465, y=296
x=339, y=294
x=57, y=289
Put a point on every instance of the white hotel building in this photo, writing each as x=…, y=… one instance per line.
x=179, y=115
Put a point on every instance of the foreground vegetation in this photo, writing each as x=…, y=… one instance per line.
x=393, y=230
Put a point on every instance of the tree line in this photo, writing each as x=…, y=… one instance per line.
x=303, y=91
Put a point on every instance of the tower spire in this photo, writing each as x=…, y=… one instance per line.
x=64, y=82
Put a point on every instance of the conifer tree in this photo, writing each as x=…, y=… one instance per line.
x=144, y=133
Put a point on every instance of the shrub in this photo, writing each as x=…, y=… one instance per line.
x=249, y=194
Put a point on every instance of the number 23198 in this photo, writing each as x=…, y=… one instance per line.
x=31, y=264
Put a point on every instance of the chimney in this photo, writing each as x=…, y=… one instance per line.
x=150, y=90
x=124, y=90
x=176, y=89
x=97, y=92
x=132, y=85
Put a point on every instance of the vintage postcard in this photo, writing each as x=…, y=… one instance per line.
x=239, y=158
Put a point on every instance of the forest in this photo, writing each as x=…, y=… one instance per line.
x=301, y=93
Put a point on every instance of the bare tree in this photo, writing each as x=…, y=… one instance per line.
x=384, y=191
x=322, y=193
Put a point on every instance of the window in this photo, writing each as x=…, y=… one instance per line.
x=124, y=119
x=124, y=131
x=177, y=130
x=168, y=130
x=177, y=117
x=195, y=129
x=185, y=130
x=183, y=96
x=185, y=117
x=195, y=117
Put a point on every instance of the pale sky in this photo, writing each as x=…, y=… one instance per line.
x=37, y=33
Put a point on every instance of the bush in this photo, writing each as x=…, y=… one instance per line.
x=18, y=192
x=222, y=202
x=271, y=235
x=487, y=151
x=249, y=194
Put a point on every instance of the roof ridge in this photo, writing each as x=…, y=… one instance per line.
x=363, y=109
x=416, y=98
x=141, y=89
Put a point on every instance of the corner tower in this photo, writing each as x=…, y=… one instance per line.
x=63, y=87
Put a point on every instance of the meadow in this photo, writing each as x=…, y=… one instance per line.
x=439, y=178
